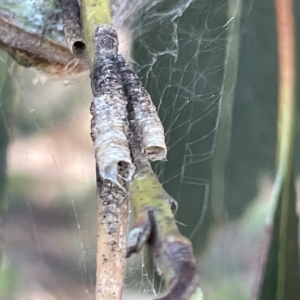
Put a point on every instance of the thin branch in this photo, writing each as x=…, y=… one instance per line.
x=113, y=161
x=94, y=13
x=111, y=240
x=155, y=223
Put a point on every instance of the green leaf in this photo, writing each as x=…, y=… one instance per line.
x=6, y=96
x=281, y=274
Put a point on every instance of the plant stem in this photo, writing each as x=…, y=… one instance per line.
x=111, y=240
x=93, y=14
x=287, y=73
x=156, y=225
x=278, y=275
x=113, y=199
x=287, y=105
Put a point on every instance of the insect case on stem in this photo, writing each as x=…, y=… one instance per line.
x=126, y=132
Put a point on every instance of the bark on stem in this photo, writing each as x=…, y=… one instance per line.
x=111, y=240
x=93, y=14
x=113, y=163
x=112, y=201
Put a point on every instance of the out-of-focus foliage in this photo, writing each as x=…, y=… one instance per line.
x=279, y=270
x=51, y=215
x=254, y=123
x=6, y=105
x=280, y=276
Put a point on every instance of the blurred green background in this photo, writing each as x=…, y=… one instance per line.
x=179, y=50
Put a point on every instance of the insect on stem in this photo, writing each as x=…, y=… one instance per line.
x=109, y=128
x=147, y=120
x=72, y=27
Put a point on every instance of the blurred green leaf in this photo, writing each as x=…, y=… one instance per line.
x=279, y=275
x=5, y=112
x=281, y=278
x=8, y=278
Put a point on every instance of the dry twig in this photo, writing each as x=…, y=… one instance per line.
x=121, y=100
x=155, y=224
x=113, y=162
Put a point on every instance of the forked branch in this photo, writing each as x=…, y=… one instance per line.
x=127, y=132
x=155, y=223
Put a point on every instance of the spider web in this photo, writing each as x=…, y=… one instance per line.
x=187, y=54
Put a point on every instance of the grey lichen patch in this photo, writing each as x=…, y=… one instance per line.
x=31, y=31
x=36, y=17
